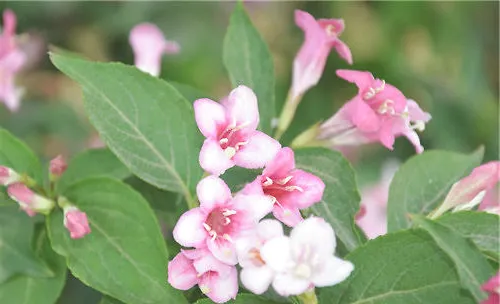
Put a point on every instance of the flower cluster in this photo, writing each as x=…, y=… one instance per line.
x=226, y=229
x=19, y=189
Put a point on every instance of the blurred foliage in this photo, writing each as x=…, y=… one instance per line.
x=442, y=54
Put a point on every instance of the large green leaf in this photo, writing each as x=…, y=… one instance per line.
x=480, y=227
x=16, y=253
x=341, y=199
x=16, y=155
x=421, y=183
x=249, y=62
x=145, y=121
x=404, y=267
x=242, y=298
x=472, y=266
x=124, y=256
x=92, y=163
x=23, y=289
x=109, y=300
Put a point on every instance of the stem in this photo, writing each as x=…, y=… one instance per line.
x=308, y=297
x=287, y=114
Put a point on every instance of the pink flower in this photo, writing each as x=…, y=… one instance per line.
x=76, y=222
x=493, y=288
x=379, y=112
x=8, y=176
x=217, y=280
x=320, y=37
x=11, y=61
x=291, y=189
x=372, y=218
x=220, y=220
x=305, y=259
x=30, y=202
x=491, y=201
x=57, y=166
x=256, y=275
x=230, y=129
x=149, y=44
x=470, y=191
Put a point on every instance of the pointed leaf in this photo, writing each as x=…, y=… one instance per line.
x=249, y=62
x=124, y=256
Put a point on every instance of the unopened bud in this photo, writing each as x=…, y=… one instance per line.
x=8, y=176
x=29, y=201
x=76, y=222
x=57, y=167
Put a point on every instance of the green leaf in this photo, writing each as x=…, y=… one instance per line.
x=249, y=62
x=124, y=256
x=423, y=181
x=341, y=199
x=16, y=253
x=242, y=298
x=404, y=267
x=24, y=289
x=143, y=120
x=109, y=300
x=92, y=163
x=236, y=177
x=189, y=92
x=17, y=156
x=473, y=268
x=480, y=227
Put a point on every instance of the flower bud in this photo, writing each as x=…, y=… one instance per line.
x=8, y=176
x=76, y=222
x=57, y=167
x=29, y=201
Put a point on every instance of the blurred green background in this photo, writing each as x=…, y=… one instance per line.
x=442, y=54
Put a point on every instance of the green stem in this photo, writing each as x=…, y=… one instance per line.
x=287, y=114
x=308, y=297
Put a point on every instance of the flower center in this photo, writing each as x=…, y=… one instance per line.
x=231, y=139
x=219, y=223
x=302, y=271
x=331, y=30
x=376, y=87
x=254, y=255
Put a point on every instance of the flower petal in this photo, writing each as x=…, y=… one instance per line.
x=276, y=253
x=207, y=262
x=362, y=115
x=332, y=271
x=181, y=273
x=256, y=206
x=287, y=215
x=286, y=284
x=213, y=159
x=218, y=288
x=312, y=188
x=416, y=113
x=386, y=133
x=256, y=279
x=210, y=116
x=343, y=51
x=268, y=229
x=223, y=250
x=242, y=108
x=212, y=191
x=282, y=163
x=306, y=22
x=322, y=244
x=260, y=150
x=362, y=79
x=189, y=229
x=148, y=44
x=254, y=187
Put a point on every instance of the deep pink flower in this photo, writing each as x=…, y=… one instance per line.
x=372, y=218
x=57, y=166
x=291, y=189
x=217, y=280
x=220, y=220
x=379, y=112
x=305, y=259
x=11, y=61
x=8, y=176
x=230, y=129
x=320, y=37
x=255, y=274
x=29, y=201
x=149, y=45
x=493, y=289
x=76, y=222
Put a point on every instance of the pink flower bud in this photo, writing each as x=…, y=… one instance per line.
x=29, y=201
x=76, y=222
x=57, y=166
x=8, y=176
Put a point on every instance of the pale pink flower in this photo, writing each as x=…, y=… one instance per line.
x=493, y=289
x=255, y=274
x=220, y=220
x=372, y=218
x=76, y=222
x=470, y=191
x=216, y=280
x=230, y=129
x=8, y=176
x=11, y=61
x=291, y=189
x=30, y=202
x=320, y=37
x=305, y=259
x=379, y=112
x=491, y=201
x=57, y=166
x=149, y=45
